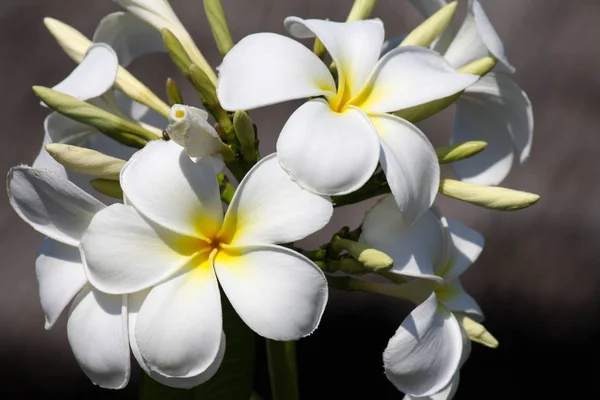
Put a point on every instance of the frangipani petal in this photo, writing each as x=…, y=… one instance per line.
x=475, y=39
x=269, y=207
x=424, y=353
x=477, y=121
x=285, y=70
x=97, y=331
x=353, y=46
x=339, y=151
x=277, y=292
x=463, y=247
x=168, y=188
x=60, y=277
x=416, y=250
x=456, y=299
x=511, y=106
x=124, y=253
x=409, y=76
x=135, y=302
x=410, y=164
x=51, y=204
x=446, y=393
x=179, y=326
x=94, y=76
x=128, y=36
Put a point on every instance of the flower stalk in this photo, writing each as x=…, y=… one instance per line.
x=281, y=357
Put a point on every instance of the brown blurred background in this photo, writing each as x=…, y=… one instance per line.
x=538, y=280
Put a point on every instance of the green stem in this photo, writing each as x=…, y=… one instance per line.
x=282, y=370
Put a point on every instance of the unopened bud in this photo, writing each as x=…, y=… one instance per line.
x=188, y=127
x=73, y=42
x=495, y=198
x=459, y=151
x=88, y=114
x=477, y=332
x=424, y=34
x=372, y=259
x=218, y=24
x=361, y=9
x=479, y=67
x=86, y=161
x=108, y=187
x=173, y=92
x=244, y=130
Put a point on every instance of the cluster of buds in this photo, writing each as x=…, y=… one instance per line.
x=197, y=249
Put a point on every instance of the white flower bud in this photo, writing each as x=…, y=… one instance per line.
x=188, y=127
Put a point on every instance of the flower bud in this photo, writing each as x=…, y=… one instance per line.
x=361, y=9
x=173, y=92
x=495, y=198
x=86, y=161
x=218, y=24
x=244, y=131
x=372, y=259
x=73, y=42
x=188, y=127
x=459, y=151
x=424, y=34
x=108, y=187
x=477, y=332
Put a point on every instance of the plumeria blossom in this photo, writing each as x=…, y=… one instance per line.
x=495, y=109
x=423, y=356
x=173, y=239
x=119, y=39
x=97, y=324
x=332, y=144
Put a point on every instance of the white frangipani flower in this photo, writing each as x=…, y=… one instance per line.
x=189, y=128
x=97, y=324
x=424, y=355
x=172, y=237
x=332, y=145
x=495, y=109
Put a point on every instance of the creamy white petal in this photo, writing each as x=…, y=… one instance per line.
x=475, y=39
x=463, y=247
x=60, y=277
x=416, y=250
x=353, y=46
x=51, y=204
x=511, y=106
x=128, y=36
x=278, y=293
x=179, y=326
x=478, y=121
x=410, y=164
x=189, y=128
x=266, y=68
x=327, y=152
x=269, y=207
x=424, y=353
x=168, y=188
x=97, y=331
x=124, y=253
x=409, y=76
x=134, y=304
x=456, y=299
x=446, y=393
x=94, y=76
x=156, y=12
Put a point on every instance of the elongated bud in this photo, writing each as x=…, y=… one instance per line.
x=173, y=92
x=346, y=265
x=372, y=259
x=108, y=187
x=91, y=115
x=160, y=15
x=73, y=42
x=418, y=113
x=477, y=332
x=177, y=52
x=495, y=198
x=188, y=127
x=86, y=161
x=218, y=24
x=208, y=94
x=361, y=9
x=245, y=134
x=459, y=151
x=424, y=34
x=76, y=45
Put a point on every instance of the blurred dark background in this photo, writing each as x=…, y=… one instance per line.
x=538, y=280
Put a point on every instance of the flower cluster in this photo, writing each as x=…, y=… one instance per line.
x=181, y=253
